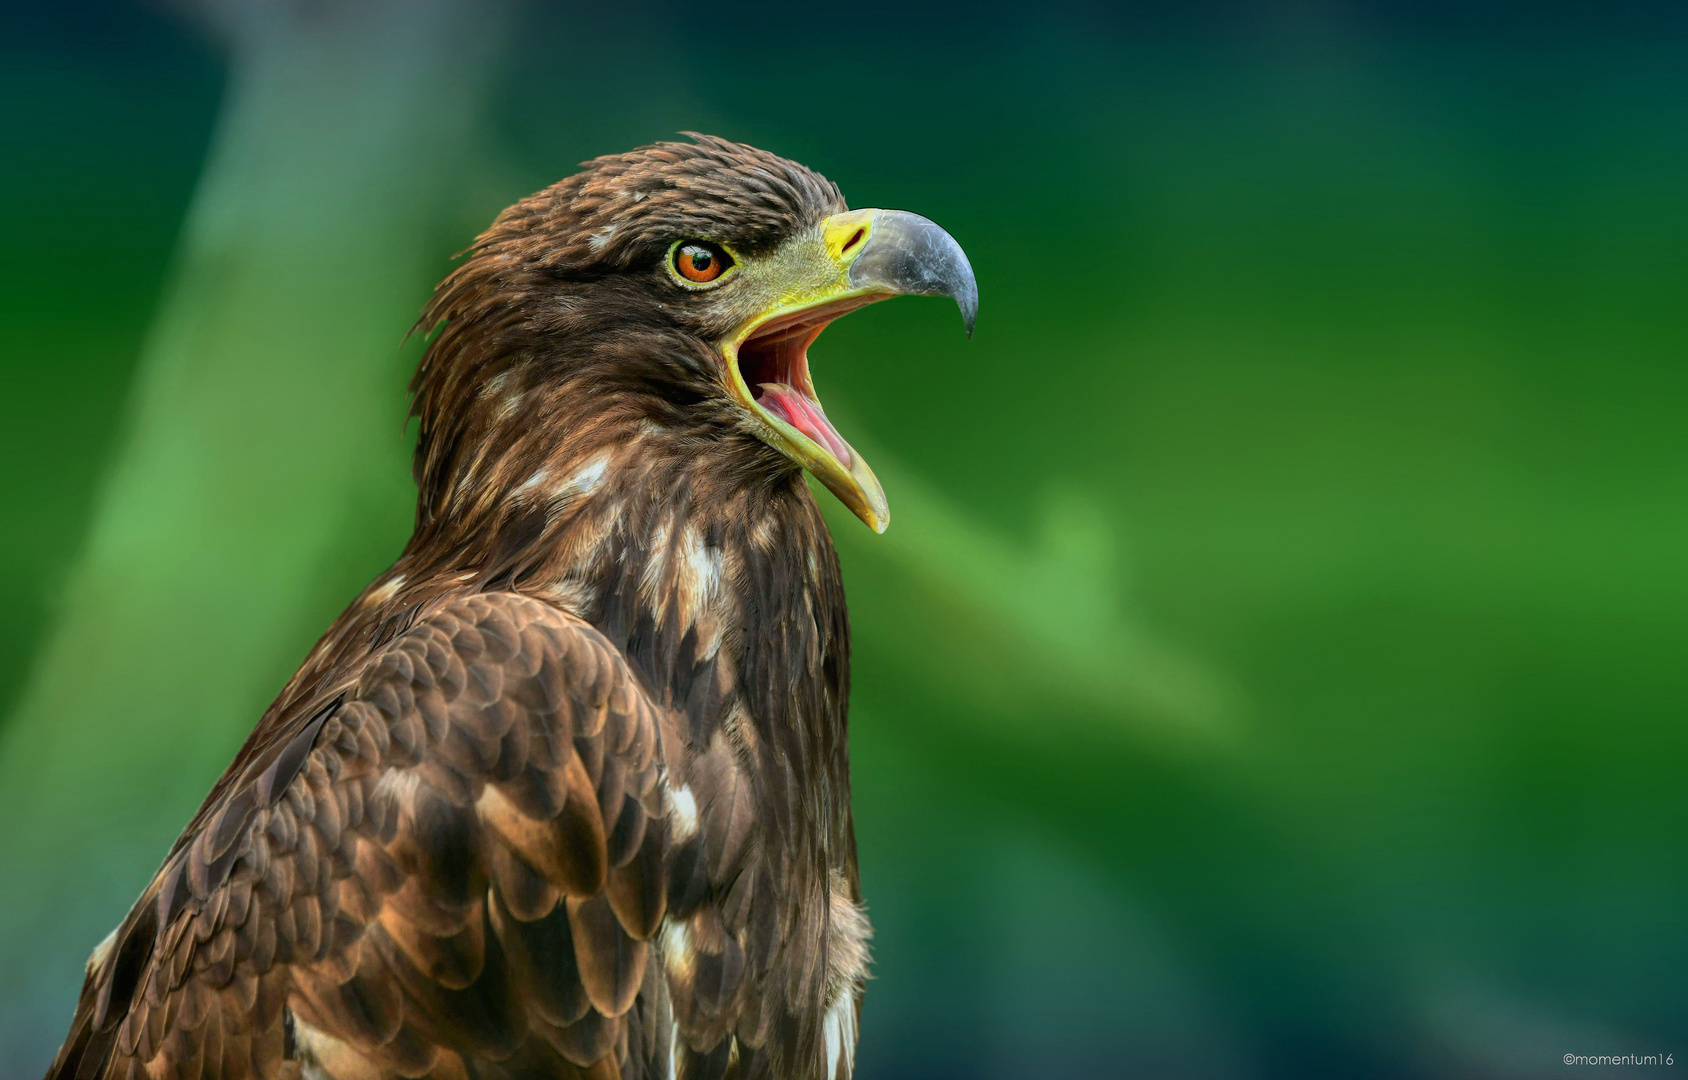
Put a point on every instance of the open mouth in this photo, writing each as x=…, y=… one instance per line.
x=773, y=362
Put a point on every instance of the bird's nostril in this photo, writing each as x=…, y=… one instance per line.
x=852, y=242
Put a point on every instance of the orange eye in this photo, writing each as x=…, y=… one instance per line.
x=700, y=262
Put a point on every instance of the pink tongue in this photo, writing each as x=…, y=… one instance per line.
x=805, y=416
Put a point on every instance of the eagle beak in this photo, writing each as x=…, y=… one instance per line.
x=904, y=254
x=852, y=260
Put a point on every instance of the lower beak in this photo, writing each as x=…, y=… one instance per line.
x=860, y=257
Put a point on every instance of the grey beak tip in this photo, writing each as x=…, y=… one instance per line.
x=911, y=254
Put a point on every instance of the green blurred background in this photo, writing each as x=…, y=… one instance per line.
x=1275, y=666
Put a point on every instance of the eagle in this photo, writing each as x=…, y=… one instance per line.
x=565, y=791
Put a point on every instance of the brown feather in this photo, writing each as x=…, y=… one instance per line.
x=638, y=889
x=519, y=887
x=611, y=963
x=586, y=1041
x=567, y=850
x=542, y=965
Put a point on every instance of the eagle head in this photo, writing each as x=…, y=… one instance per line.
x=678, y=286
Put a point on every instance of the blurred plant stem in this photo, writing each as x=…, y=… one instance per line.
x=263, y=437
x=1051, y=632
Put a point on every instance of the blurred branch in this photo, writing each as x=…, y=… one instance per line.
x=1038, y=631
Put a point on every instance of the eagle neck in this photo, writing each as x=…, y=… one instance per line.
x=721, y=585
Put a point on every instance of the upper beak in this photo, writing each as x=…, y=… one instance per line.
x=905, y=254
x=859, y=257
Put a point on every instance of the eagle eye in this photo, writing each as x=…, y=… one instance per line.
x=699, y=262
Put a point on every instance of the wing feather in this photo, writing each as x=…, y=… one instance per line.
x=459, y=856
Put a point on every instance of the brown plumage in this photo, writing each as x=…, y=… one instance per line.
x=565, y=792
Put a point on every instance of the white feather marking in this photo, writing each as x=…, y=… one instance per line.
x=708, y=629
x=388, y=591
x=840, y=1031
x=571, y=594
x=705, y=566
x=397, y=784
x=540, y=476
x=585, y=480
x=696, y=579
x=507, y=408
x=102, y=950
x=651, y=585
x=673, y=1051
x=847, y=936
x=599, y=240
x=676, y=938
x=495, y=384
x=323, y=1057
x=682, y=812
